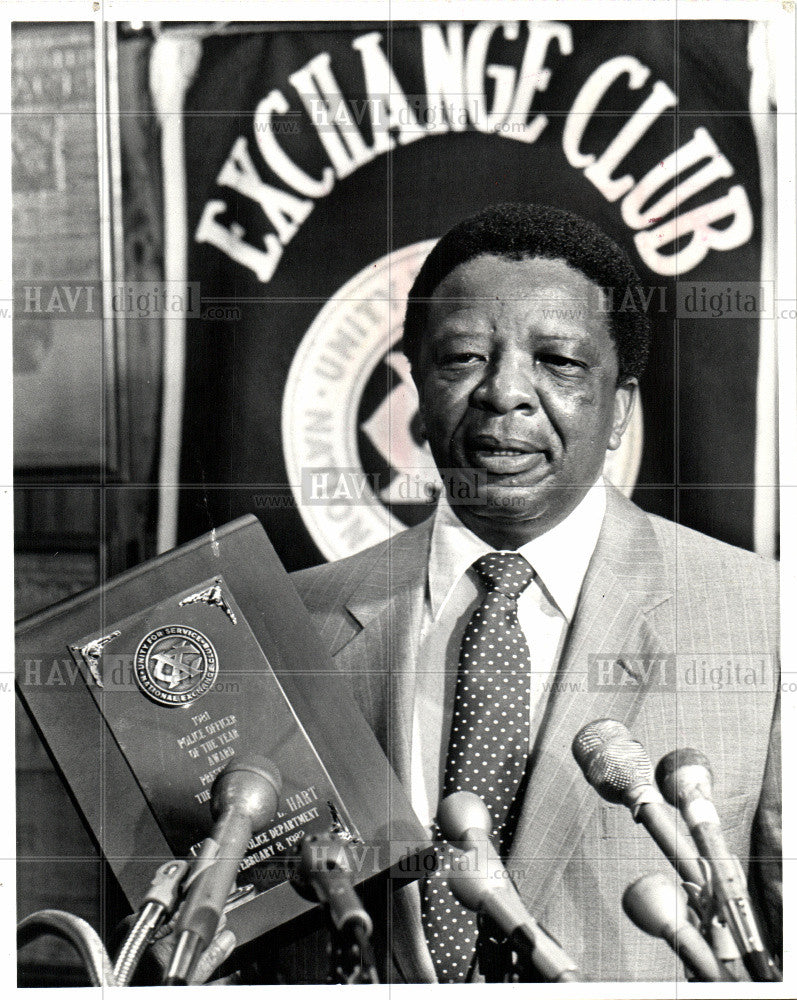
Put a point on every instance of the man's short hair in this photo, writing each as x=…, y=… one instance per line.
x=518, y=231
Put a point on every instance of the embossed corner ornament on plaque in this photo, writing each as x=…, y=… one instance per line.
x=175, y=668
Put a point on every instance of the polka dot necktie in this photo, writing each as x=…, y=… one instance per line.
x=488, y=747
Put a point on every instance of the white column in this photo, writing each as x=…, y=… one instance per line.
x=173, y=63
x=762, y=100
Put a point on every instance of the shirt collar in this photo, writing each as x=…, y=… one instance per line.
x=559, y=557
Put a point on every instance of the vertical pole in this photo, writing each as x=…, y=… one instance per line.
x=173, y=63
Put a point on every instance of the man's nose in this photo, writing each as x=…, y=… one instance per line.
x=508, y=384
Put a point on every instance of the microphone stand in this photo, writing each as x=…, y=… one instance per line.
x=496, y=959
x=324, y=875
x=80, y=934
x=159, y=904
x=710, y=922
x=506, y=958
x=351, y=958
x=706, y=917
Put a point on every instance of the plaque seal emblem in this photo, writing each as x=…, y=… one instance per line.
x=175, y=665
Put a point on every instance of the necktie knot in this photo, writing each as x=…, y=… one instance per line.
x=507, y=572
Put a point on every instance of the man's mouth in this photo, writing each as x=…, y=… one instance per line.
x=503, y=456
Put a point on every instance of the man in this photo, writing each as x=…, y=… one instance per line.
x=537, y=599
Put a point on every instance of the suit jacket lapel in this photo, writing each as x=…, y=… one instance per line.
x=387, y=609
x=380, y=652
x=624, y=620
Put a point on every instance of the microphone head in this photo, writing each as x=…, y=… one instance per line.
x=460, y=812
x=682, y=772
x=611, y=761
x=323, y=852
x=250, y=784
x=325, y=875
x=656, y=904
x=597, y=734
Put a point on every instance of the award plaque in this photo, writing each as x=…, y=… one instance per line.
x=169, y=671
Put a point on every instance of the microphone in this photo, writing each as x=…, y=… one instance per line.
x=658, y=906
x=324, y=865
x=685, y=780
x=619, y=769
x=484, y=886
x=243, y=800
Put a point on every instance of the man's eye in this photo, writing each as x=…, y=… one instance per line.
x=458, y=359
x=559, y=362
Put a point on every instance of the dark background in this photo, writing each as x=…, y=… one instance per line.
x=701, y=373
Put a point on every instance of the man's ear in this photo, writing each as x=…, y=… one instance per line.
x=624, y=396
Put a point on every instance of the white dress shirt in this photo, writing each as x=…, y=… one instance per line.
x=545, y=609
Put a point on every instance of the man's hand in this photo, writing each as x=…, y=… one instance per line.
x=218, y=951
x=158, y=955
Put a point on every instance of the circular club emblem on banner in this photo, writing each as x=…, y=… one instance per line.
x=175, y=665
x=358, y=468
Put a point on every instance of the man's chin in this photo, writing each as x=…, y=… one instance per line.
x=522, y=512
x=502, y=522
x=513, y=495
x=511, y=503
x=498, y=502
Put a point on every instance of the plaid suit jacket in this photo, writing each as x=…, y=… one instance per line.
x=660, y=605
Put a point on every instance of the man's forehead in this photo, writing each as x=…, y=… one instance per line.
x=548, y=294
x=526, y=277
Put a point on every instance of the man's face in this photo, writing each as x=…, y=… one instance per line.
x=517, y=378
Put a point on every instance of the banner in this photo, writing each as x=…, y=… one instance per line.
x=323, y=161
